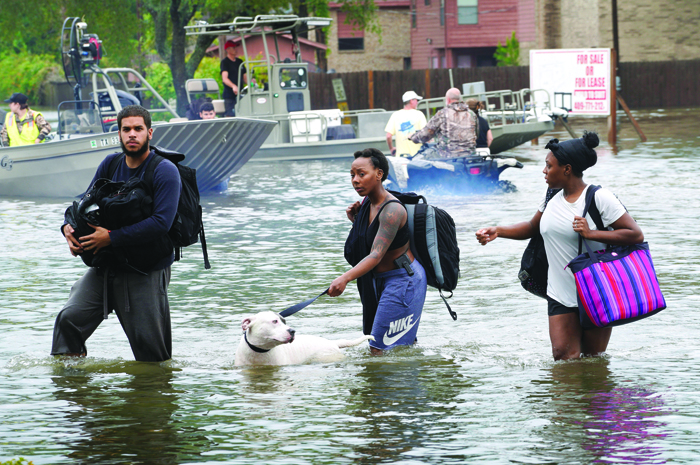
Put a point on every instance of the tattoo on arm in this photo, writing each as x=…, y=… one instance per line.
x=389, y=223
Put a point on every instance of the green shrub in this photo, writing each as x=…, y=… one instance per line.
x=158, y=75
x=19, y=461
x=508, y=54
x=25, y=73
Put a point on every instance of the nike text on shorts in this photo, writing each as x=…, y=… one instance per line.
x=401, y=299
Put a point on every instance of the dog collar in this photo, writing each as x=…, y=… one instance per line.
x=252, y=347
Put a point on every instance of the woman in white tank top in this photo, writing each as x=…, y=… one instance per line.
x=560, y=225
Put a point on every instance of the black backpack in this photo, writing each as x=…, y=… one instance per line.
x=433, y=243
x=187, y=227
x=534, y=265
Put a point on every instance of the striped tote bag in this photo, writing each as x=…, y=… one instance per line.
x=616, y=286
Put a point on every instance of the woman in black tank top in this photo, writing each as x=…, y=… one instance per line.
x=380, y=232
x=387, y=216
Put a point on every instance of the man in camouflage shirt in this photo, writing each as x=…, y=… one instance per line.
x=454, y=128
x=23, y=126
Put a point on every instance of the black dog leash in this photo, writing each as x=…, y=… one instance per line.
x=295, y=308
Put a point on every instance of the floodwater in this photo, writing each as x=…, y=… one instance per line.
x=482, y=389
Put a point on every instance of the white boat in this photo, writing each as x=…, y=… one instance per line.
x=63, y=168
x=65, y=165
x=304, y=134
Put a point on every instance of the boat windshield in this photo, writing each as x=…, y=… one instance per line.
x=73, y=121
x=293, y=78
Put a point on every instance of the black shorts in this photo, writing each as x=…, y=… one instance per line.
x=555, y=308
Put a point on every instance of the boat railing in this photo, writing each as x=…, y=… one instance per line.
x=120, y=74
x=530, y=101
x=248, y=25
x=502, y=106
x=244, y=105
x=307, y=126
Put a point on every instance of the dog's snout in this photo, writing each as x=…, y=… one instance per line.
x=291, y=331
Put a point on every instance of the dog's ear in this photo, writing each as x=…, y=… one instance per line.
x=247, y=322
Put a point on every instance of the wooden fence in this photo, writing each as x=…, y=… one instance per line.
x=663, y=84
x=660, y=84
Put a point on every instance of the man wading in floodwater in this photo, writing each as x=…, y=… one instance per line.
x=140, y=300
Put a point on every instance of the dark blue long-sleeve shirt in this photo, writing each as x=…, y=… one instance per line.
x=166, y=195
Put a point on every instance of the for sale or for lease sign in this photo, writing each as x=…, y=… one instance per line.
x=576, y=79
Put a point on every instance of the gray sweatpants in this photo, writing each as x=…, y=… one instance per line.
x=140, y=302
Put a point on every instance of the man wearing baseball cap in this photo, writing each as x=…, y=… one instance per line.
x=23, y=126
x=230, y=66
x=404, y=123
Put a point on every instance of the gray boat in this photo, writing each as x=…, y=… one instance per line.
x=86, y=133
x=304, y=134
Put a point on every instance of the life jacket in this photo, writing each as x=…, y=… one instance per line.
x=30, y=130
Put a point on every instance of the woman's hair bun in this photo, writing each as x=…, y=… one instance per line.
x=590, y=139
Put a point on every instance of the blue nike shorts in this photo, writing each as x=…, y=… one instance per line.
x=401, y=298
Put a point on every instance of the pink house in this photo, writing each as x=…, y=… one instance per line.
x=465, y=33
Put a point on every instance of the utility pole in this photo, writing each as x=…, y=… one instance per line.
x=616, y=42
x=615, y=97
x=614, y=59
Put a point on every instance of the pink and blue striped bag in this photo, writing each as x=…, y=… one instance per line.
x=617, y=285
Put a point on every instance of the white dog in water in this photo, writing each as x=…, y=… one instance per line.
x=267, y=340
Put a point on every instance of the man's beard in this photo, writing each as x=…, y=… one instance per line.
x=134, y=153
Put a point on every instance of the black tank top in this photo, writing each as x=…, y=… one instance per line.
x=403, y=235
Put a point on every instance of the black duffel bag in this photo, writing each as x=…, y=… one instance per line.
x=113, y=205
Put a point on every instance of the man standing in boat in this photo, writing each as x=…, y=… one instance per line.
x=403, y=123
x=23, y=126
x=454, y=128
x=230, y=66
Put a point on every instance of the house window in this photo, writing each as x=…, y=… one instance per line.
x=407, y=63
x=442, y=12
x=427, y=2
x=349, y=38
x=351, y=43
x=467, y=11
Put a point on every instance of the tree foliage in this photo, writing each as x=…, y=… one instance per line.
x=131, y=30
x=508, y=54
x=361, y=14
x=35, y=26
x=24, y=72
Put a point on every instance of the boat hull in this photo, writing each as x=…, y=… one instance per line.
x=343, y=148
x=511, y=135
x=215, y=148
x=504, y=138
